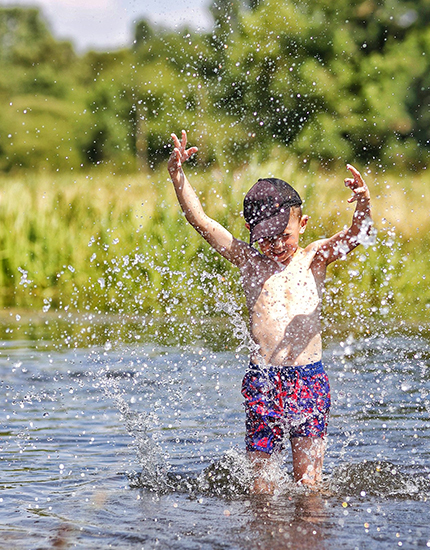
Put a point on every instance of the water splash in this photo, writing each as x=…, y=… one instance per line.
x=379, y=478
x=230, y=476
x=368, y=233
x=154, y=467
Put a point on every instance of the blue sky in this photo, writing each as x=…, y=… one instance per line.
x=108, y=24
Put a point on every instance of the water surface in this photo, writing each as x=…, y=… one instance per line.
x=141, y=446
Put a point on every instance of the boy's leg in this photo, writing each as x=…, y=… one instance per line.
x=308, y=457
x=312, y=401
x=263, y=434
x=263, y=469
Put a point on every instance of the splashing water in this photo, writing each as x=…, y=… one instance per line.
x=151, y=459
x=368, y=233
x=375, y=478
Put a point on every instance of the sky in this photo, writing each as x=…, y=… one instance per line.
x=109, y=24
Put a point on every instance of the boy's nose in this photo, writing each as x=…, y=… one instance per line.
x=277, y=242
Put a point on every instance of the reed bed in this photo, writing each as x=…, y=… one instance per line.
x=119, y=244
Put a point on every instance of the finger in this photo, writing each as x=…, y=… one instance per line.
x=184, y=139
x=354, y=172
x=189, y=152
x=352, y=169
x=358, y=192
x=175, y=139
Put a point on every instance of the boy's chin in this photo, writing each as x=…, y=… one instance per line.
x=281, y=257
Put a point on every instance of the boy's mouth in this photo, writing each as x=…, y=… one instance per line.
x=280, y=254
x=284, y=254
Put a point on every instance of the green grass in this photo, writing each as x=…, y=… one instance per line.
x=119, y=244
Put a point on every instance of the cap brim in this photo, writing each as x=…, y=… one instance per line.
x=270, y=227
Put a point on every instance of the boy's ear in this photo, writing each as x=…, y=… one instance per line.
x=303, y=223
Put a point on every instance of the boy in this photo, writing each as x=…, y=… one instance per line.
x=286, y=390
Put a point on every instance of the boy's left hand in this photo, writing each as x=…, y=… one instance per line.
x=357, y=186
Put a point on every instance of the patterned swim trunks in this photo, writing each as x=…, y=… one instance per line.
x=284, y=402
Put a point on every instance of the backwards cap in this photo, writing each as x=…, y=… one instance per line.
x=266, y=207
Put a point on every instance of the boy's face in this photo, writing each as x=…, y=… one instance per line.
x=283, y=246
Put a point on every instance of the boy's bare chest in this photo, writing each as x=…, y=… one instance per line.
x=294, y=289
x=291, y=289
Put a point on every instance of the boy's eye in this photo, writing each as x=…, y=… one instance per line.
x=270, y=240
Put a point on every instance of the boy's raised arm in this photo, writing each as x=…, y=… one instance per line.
x=343, y=242
x=214, y=233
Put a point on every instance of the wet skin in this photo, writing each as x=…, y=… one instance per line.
x=283, y=289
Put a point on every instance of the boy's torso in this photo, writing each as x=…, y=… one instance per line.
x=284, y=304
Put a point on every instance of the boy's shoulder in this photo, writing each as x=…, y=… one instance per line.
x=314, y=247
x=315, y=252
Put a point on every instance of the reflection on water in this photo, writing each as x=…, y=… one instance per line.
x=300, y=522
x=138, y=446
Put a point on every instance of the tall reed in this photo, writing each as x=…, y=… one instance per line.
x=115, y=243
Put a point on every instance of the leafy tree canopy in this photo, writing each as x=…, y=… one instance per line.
x=327, y=81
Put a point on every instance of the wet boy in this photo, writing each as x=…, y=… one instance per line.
x=286, y=390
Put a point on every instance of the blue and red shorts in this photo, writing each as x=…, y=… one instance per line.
x=284, y=402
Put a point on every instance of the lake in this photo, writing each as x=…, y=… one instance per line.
x=140, y=446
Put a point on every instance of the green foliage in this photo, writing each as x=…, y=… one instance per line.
x=26, y=43
x=325, y=81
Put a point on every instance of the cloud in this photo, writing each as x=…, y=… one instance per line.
x=100, y=24
x=109, y=24
x=174, y=17
x=58, y=5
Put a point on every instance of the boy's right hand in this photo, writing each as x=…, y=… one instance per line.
x=179, y=154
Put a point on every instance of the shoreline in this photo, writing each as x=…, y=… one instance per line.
x=78, y=329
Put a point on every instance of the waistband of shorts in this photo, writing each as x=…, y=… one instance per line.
x=303, y=370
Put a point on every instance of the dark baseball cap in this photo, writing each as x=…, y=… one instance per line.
x=266, y=207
